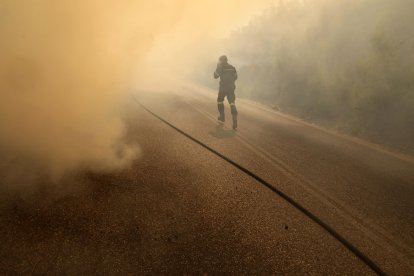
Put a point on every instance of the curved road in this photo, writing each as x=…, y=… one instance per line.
x=363, y=191
x=182, y=210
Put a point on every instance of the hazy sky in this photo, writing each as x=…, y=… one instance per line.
x=197, y=25
x=66, y=69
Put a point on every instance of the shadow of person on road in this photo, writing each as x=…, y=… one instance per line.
x=222, y=133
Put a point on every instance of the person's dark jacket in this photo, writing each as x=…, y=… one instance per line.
x=227, y=74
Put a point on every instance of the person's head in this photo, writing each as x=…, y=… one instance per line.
x=223, y=59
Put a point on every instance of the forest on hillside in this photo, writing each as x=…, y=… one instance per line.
x=346, y=64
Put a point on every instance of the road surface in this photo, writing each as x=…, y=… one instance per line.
x=180, y=209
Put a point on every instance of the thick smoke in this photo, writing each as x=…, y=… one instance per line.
x=65, y=71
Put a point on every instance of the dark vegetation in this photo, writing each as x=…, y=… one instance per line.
x=346, y=64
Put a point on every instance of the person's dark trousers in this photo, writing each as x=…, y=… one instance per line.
x=231, y=98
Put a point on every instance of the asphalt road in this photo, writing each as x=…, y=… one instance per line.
x=180, y=209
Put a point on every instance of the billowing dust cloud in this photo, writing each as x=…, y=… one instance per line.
x=65, y=70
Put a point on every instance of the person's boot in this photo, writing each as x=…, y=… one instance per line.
x=220, y=106
x=221, y=118
x=234, y=122
x=234, y=114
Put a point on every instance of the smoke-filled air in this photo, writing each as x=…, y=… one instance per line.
x=216, y=137
x=346, y=64
x=66, y=68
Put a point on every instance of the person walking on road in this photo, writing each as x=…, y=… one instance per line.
x=228, y=76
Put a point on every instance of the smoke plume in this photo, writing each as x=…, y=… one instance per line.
x=64, y=74
x=65, y=70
